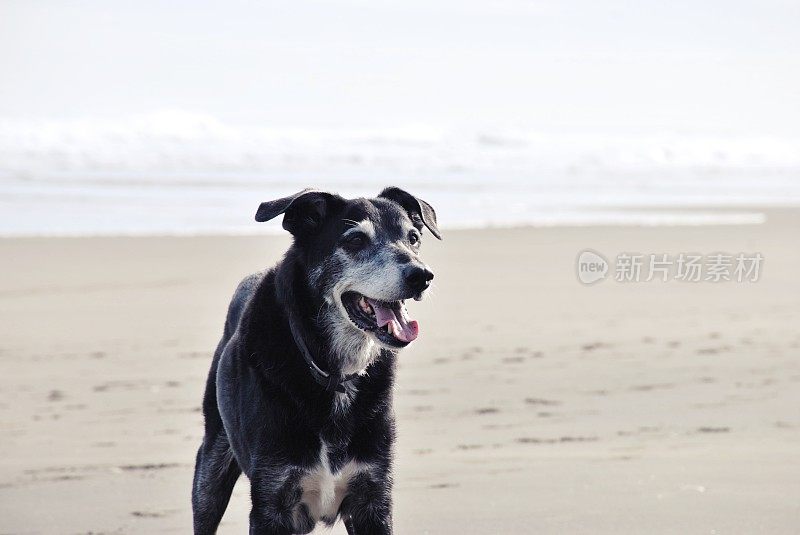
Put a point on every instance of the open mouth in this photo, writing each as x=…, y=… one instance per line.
x=387, y=320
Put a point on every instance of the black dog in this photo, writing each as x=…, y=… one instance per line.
x=299, y=396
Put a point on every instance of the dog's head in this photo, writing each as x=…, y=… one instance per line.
x=362, y=257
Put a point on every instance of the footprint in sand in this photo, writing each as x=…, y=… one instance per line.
x=712, y=350
x=709, y=429
x=120, y=385
x=147, y=466
x=559, y=440
x=594, y=345
x=542, y=401
x=654, y=386
x=442, y=486
x=153, y=514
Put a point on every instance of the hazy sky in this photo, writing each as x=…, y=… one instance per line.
x=718, y=66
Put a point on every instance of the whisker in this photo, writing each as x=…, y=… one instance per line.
x=350, y=222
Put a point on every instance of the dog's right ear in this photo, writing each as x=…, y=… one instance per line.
x=304, y=211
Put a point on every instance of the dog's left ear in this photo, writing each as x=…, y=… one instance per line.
x=418, y=210
x=305, y=210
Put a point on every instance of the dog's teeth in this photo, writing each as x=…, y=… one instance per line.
x=364, y=305
x=390, y=328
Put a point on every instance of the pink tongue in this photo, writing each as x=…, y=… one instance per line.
x=403, y=329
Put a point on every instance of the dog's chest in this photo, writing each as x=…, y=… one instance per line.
x=324, y=488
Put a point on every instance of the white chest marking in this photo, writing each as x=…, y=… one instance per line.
x=324, y=490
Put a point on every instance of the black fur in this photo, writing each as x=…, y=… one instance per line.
x=264, y=413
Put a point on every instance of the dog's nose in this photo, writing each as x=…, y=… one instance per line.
x=418, y=278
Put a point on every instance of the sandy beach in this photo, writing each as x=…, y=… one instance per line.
x=530, y=404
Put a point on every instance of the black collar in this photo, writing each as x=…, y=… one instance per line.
x=332, y=382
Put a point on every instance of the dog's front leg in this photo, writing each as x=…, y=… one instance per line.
x=277, y=510
x=369, y=506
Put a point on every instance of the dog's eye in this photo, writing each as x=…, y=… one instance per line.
x=355, y=241
x=413, y=237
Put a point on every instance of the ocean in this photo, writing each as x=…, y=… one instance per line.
x=180, y=173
